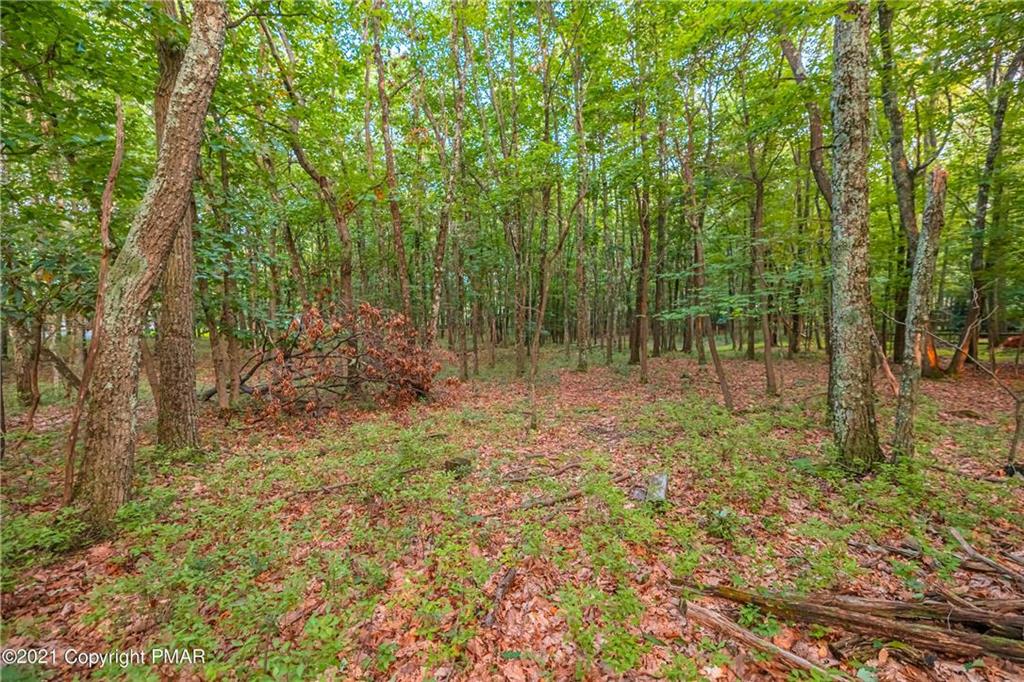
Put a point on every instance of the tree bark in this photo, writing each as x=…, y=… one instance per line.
x=110, y=431
x=918, y=312
x=177, y=412
x=933, y=638
x=852, y=404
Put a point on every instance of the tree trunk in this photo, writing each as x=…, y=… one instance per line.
x=218, y=354
x=657, y=326
x=902, y=175
x=21, y=356
x=918, y=310
x=852, y=405
x=294, y=261
x=694, y=214
x=995, y=144
x=582, y=306
x=110, y=431
x=389, y=159
x=757, y=223
x=177, y=413
x=817, y=151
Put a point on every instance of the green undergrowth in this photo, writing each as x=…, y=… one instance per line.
x=258, y=554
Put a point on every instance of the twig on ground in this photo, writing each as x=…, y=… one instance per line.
x=523, y=478
x=572, y=495
x=499, y=594
x=346, y=484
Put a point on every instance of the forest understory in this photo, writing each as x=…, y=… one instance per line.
x=338, y=340
x=449, y=541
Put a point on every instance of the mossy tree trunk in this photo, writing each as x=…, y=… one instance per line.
x=852, y=399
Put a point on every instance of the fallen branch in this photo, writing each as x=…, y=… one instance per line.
x=882, y=549
x=551, y=501
x=978, y=556
x=862, y=648
x=499, y=594
x=1005, y=625
x=322, y=489
x=952, y=642
x=720, y=623
x=537, y=474
x=572, y=495
x=876, y=346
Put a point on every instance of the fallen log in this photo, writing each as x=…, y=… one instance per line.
x=952, y=642
x=1005, y=625
x=862, y=648
x=734, y=631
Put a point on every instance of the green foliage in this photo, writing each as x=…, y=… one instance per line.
x=35, y=539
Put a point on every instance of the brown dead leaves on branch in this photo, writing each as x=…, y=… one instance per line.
x=327, y=358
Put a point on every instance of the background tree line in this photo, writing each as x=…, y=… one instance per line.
x=595, y=176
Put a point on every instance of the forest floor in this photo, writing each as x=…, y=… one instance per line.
x=245, y=550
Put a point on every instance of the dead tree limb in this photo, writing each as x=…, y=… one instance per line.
x=948, y=641
x=723, y=625
x=1005, y=571
x=106, y=245
x=499, y=594
x=1004, y=624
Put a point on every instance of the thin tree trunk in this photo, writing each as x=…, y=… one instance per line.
x=817, y=151
x=89, y=361
x=582, y=306
x=903, y=176
x=918, y=309
x=218, y=354
x=761, y=285
x=657, y=326
x=389, y=160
